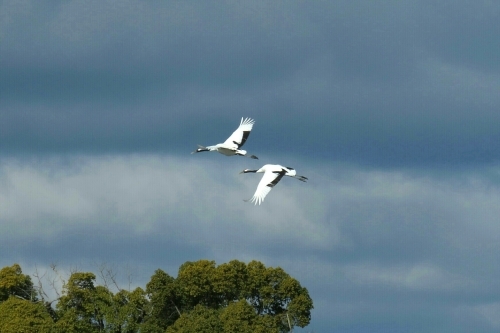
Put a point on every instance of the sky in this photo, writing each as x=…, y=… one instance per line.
x=390, y=108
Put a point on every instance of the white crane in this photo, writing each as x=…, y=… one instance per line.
x=233, y=144
x=272, y=175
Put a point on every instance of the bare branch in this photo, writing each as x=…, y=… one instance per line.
x=39, y=287
x=52, y=282
x=129, y=277
x=112, y=276
x=108, y=276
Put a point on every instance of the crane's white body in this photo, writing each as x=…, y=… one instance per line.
x=272, y=175
x=233, y=144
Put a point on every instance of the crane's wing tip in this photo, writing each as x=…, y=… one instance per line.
x=251, y=201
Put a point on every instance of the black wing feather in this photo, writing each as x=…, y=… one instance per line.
x=277, y=179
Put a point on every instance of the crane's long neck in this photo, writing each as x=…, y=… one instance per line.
x=207, y=148
x=248, y=171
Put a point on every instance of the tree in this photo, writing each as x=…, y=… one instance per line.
x=196, y=283
x=164, y=302
x=126, y=311
x=272, y=293
x=201, y=319
x=85, y=307
x=80, y=309
x=240, y=317
x=14, y=283
x=232, y=297
x=237, y=317
x=19, y=315
x=230, y=280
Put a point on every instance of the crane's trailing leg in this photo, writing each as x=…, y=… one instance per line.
x=301, y=178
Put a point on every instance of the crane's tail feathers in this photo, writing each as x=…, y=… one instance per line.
x=254, y=157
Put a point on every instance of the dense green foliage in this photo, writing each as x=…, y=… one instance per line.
x=14, y=283
x=18, y=315
x=232, y=297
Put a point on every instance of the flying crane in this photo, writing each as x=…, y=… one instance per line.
x=233, y=144
x=272, y=175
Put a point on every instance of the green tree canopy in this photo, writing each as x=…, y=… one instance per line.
x=240, y=317
x=201, y=319
x=81, y=308
x=14, y=283
x=271, y=292
x=237, y=317
x=19, y=315
x=232, y=297
x=126, y=311
x=164, y=300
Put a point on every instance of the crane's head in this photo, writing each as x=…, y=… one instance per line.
x=248, y=171
x=200, y=149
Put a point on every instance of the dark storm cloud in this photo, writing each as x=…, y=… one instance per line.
x=462, y=33
x=385, y=83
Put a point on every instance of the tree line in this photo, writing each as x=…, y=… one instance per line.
x=204, y=297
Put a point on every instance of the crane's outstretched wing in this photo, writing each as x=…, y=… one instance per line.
x=241, y=134
x=268, y=181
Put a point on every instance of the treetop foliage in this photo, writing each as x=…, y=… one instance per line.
x=231, y=297
x=14, y=283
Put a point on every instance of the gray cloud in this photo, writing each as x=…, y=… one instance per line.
x=365, y=240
